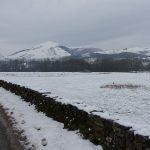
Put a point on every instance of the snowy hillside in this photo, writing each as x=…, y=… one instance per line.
x=54, y=51
x=86, y=52
x=136, y=50
x=48, y=50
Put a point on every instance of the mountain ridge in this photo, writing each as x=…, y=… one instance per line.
x=48, y=50
x=54, y=51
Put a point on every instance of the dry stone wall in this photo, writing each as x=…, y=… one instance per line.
x=100, y=131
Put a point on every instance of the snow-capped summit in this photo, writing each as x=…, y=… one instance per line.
x=46, y=45
x=54, y=51
x=47, y=50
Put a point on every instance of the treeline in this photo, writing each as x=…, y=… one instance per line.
x=74, y=65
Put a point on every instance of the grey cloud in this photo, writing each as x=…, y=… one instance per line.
x=74, y=22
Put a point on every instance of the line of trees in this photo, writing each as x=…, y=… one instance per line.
x=74, y=65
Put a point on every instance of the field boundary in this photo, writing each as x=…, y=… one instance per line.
x=100, y=131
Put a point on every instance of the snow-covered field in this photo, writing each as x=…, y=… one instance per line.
x=42, y=132
x=123, y=97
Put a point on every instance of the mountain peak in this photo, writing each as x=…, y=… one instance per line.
x=46, y=45
x=54, y=51
x=47, y=50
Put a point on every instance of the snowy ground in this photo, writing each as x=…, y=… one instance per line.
x=128, y=106
x=42, y=132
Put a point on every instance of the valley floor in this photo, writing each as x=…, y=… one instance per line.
x=123, y=97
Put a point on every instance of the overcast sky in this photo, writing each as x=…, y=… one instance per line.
x=98, y=23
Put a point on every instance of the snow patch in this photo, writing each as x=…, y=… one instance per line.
x=50, y=134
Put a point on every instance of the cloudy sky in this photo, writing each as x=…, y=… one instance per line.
x=98, y=23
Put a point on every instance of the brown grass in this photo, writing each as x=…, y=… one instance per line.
x=121, y=86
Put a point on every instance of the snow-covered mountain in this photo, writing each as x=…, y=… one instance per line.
x=54, y=51
x=85, y=52
x=126, y=53
x=136, y=50
x=48, y=50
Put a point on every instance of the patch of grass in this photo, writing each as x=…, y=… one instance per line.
x=121, y=86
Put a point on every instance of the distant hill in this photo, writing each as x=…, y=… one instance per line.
x=54, y=51
x=51, y=56
x=48, y=50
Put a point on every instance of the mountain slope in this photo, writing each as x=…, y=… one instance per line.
x=136, y=50
x=127, y=53
x=54, y=51
x=48, y=50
